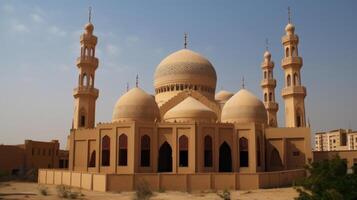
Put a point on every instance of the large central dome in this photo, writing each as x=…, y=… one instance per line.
x=184, y=69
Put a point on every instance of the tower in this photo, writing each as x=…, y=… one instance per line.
x=293, y=92
x=85, y=94
x=268, y=85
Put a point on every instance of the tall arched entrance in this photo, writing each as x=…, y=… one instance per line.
x=225, y=158
x=165, y=158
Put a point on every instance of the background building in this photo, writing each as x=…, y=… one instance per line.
x=32, y=155
x=336, y=140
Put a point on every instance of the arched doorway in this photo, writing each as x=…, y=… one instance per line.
x=275, y=161
x=225, y=158
x=165, y=158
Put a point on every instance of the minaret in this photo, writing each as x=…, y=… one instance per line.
x=85, y=94
x=293, y=92
x=268, y=85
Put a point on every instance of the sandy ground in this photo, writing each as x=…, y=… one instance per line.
x=23, y=190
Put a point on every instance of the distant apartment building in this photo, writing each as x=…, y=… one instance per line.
x=336, y=140
x=18, y=159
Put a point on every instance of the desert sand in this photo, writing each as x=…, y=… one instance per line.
x=24, y=190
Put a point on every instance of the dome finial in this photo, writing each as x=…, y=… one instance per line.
x=185, y=38
x=266, y=44
x=137, y=80
x=243, y=85
x=90, y=14
x=127, y=86
x=289, y=15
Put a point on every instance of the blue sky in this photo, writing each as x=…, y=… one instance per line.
x=40, y=42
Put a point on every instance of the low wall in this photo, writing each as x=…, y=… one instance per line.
x=169, y=181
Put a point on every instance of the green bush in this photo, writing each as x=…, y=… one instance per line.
x=143, y=191
x=43, y=190
x=67, y=193
x=328, y=180
x=225, y=195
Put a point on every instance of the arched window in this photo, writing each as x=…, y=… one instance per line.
x=265, y=97
x=165, y=158
x=288, y=80
x=293, y=52
x=243, y=152
x=91, y=82
x=270, y=97
x=84, y=79
x=183, y=151
x=258, y=152
x=83, y=120
x=296, y=79
x=208, y=151
x=91, y=162
x=270, y=74
x=287, y=52
x=265, y=74
x=105, y=151
x=145, y=151
x=123, y=150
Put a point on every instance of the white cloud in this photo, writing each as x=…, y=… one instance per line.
x=8, y=8
x=18, y=27
x=57, y=31
x=36, y=18
x=113, y=50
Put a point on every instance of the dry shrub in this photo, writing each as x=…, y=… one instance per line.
x=143, y=191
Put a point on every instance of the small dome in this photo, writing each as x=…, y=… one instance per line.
x=290, y=28
x=223, y=95
x=136, y=104
x=244, y=107
x=89, y=27
x=267, y=55
x=185, y=67
x=190, y=110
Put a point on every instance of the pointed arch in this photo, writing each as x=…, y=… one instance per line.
x=208, y=156
x=123, y=150
x=293, y=52
x=225, y=158
x=288, y=80
x=287, y=52
x=145, y=151
x=299, y=118
x=183, y=151
x=243, y=152
x=106, y=151
x=270, y=96
x=296, y=80
x=165, y=158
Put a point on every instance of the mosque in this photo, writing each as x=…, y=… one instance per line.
x=187, y=136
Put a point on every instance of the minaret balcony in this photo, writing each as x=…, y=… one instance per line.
x=271, y=105
x=90, y=60
x=294, y=90
x=290, y=39
x=267, y=64
x=292, y=60
x=85, y=90
x=268, y=82
x=89, y=39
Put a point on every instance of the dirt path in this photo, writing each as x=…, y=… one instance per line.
x=30, y=191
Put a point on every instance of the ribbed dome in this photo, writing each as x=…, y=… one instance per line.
x=136, y=104
x=223, y=95
x=244, y=107
x=187, y=67
x=190, y=110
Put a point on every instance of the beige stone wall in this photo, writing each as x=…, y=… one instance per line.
x=172, y=181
